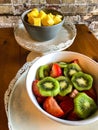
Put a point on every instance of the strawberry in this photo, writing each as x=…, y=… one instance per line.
x=41, y=99
x=73, y=116
x=56, y=70
x=91, y=93
x=35, y=89
x=51, y=106
x=67, y=105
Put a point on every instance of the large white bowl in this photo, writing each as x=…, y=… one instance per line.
x=85, y=62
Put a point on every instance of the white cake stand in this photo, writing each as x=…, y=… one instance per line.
x=62, y=41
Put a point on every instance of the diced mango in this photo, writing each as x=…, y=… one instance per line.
x=42, y=14
x=31, y=20
x=57, y=19
x=47, y=21
x=40, y=18
x=37, y=22
x=51, y=15
x=33, y=13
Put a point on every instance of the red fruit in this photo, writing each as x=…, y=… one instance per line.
x=50, y=105
x=40, y=100
x=56, y=70
x=67, y=105
x=91, y=93
x=35, y=89
x=73, y=116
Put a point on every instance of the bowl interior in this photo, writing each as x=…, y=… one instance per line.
x=85, y=62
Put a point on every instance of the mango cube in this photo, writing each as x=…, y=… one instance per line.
x=33, y=13
x=42, y=14
x=40, y=18
x=57, y=19
x=31, y=20
x=37, y=22
x=47, y=21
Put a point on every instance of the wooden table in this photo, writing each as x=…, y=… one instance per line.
x=12, y=58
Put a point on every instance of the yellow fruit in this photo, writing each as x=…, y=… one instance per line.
x=51, y=15
x=37, y=22
x=57, y=19
x=42, y=14
x=47, y=21
x=33, y=13
x=38, y=18
x=31, y=20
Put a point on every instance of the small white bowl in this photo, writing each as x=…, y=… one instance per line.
x=85, y=62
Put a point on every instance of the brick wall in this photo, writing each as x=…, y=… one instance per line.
x=76, y=11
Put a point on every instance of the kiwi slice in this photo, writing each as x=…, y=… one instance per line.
x=43, y=71
x=84, y=106
x=65, y=85
x=48, y=86
x=82, y=81
x=71, y=69
x=62, y=64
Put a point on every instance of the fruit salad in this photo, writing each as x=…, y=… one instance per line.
x=41, y=18
x=65, y=91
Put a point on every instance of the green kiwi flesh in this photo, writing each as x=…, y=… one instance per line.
x=48, y=86
x=84, y=106
x=65, y=85
x=82, y=81
x=43, y=71
x=71, y=69
x=62, y=64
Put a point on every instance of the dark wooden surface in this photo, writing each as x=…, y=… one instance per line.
x=12, y=58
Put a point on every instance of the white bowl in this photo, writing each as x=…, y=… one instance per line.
x=85, y=62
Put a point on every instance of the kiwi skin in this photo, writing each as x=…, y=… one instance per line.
x=84, y=106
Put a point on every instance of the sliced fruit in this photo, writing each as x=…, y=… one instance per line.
x=57, y=19
x=36, y=89
x=84, y=106
x=73, y=93
x=91, y=93
x=43, y=71
x=67, y=105
x=42, y=14
x=82, y=81
x=56, y=70
x=65, y=85
x=50, y=105
x=71, y=69
x=37, y=22
x=62, y=64
x=41, y=100
x=73, y=116
x=48, y=86
x=47, y=20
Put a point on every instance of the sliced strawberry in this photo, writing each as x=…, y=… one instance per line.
x=91, y=93
x=40, y=100
x=73, y=116
x=59, y=98
x=50, y=105
x=35, y=89
x=67, y=105
x=56, y=70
